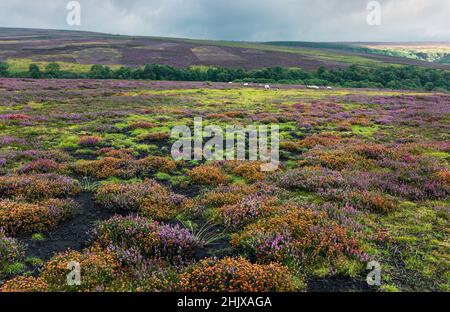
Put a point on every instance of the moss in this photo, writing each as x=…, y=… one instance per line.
x=69, y=142
x=366, y=131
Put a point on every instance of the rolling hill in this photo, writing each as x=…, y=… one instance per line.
x=79, y=50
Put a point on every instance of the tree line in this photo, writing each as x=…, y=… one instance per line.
x=391, y=77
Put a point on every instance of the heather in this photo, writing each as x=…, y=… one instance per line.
x=87, y=175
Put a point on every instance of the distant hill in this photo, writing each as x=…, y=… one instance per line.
x=75, y=49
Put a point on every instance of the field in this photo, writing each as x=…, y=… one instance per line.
x=433, y=52
x=86, y=175
x=78, y=51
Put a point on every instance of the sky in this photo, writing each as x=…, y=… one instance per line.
x=246, y=20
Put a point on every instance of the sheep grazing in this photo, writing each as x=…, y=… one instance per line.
x=313, y=87
x=246, y=84
x=267, y=87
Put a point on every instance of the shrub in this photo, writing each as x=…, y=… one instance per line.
x=324, y=139
x=90, y=141
x=311, y=179
x=148, y=198
x=208, y=175
x=156, y=137
x=99, y=270
x=364, y=200
x=232, y=194
x=152, y=239
x=246, y=211
x=106, y=167
x=236, y=275
x=24, y=284
x=300, y=235
x=141, y=125
x=18, y=217
x=155, y=164
x=122, y=165
x=40, y=166
x=10, y=250
x=249, y=170
x=125, y=196
x=38, y=187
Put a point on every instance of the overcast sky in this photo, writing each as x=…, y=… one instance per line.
x=255, y=20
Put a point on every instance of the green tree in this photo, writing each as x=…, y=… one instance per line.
x=34, y=71
x=4, y=69
x=53, y=70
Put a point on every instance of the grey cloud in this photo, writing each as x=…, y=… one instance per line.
x=259, y=20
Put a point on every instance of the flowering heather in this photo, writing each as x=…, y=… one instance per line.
x=90, y=141
x=247, y=210
x=250, y=171
x=40, y=166
x=362, y=171
x=18, y=217
x=38, y=187
x=106, y=167
x=152, y=239
x=122, y=165
x=312, y=141
x=312, y=179
x=101, y=270
x=300, y=234
x=141, y=125
x=232, y=194
x=9, y=140
x=208, y=175
x=24, y=284
x=374, y=201
x=236, y=275
x=125, y=196
x=154, y=164
x=156, y=137
x=10, y=250
x=148, y=198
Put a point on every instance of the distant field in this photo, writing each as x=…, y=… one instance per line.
x=432, y=52
x=22, y=46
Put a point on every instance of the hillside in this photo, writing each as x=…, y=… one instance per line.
x=79, y=50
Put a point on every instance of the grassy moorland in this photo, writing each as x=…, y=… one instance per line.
x=80, y=50
x=86, y=175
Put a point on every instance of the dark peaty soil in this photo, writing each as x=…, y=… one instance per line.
x=339, y=284
x=71, y=234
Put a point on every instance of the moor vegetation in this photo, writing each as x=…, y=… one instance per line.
x=364, y=176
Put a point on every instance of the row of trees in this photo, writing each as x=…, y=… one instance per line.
x=392, y=77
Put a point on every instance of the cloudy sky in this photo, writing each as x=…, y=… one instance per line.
x=256, y=20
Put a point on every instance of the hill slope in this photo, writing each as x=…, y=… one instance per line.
x=23, y=46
